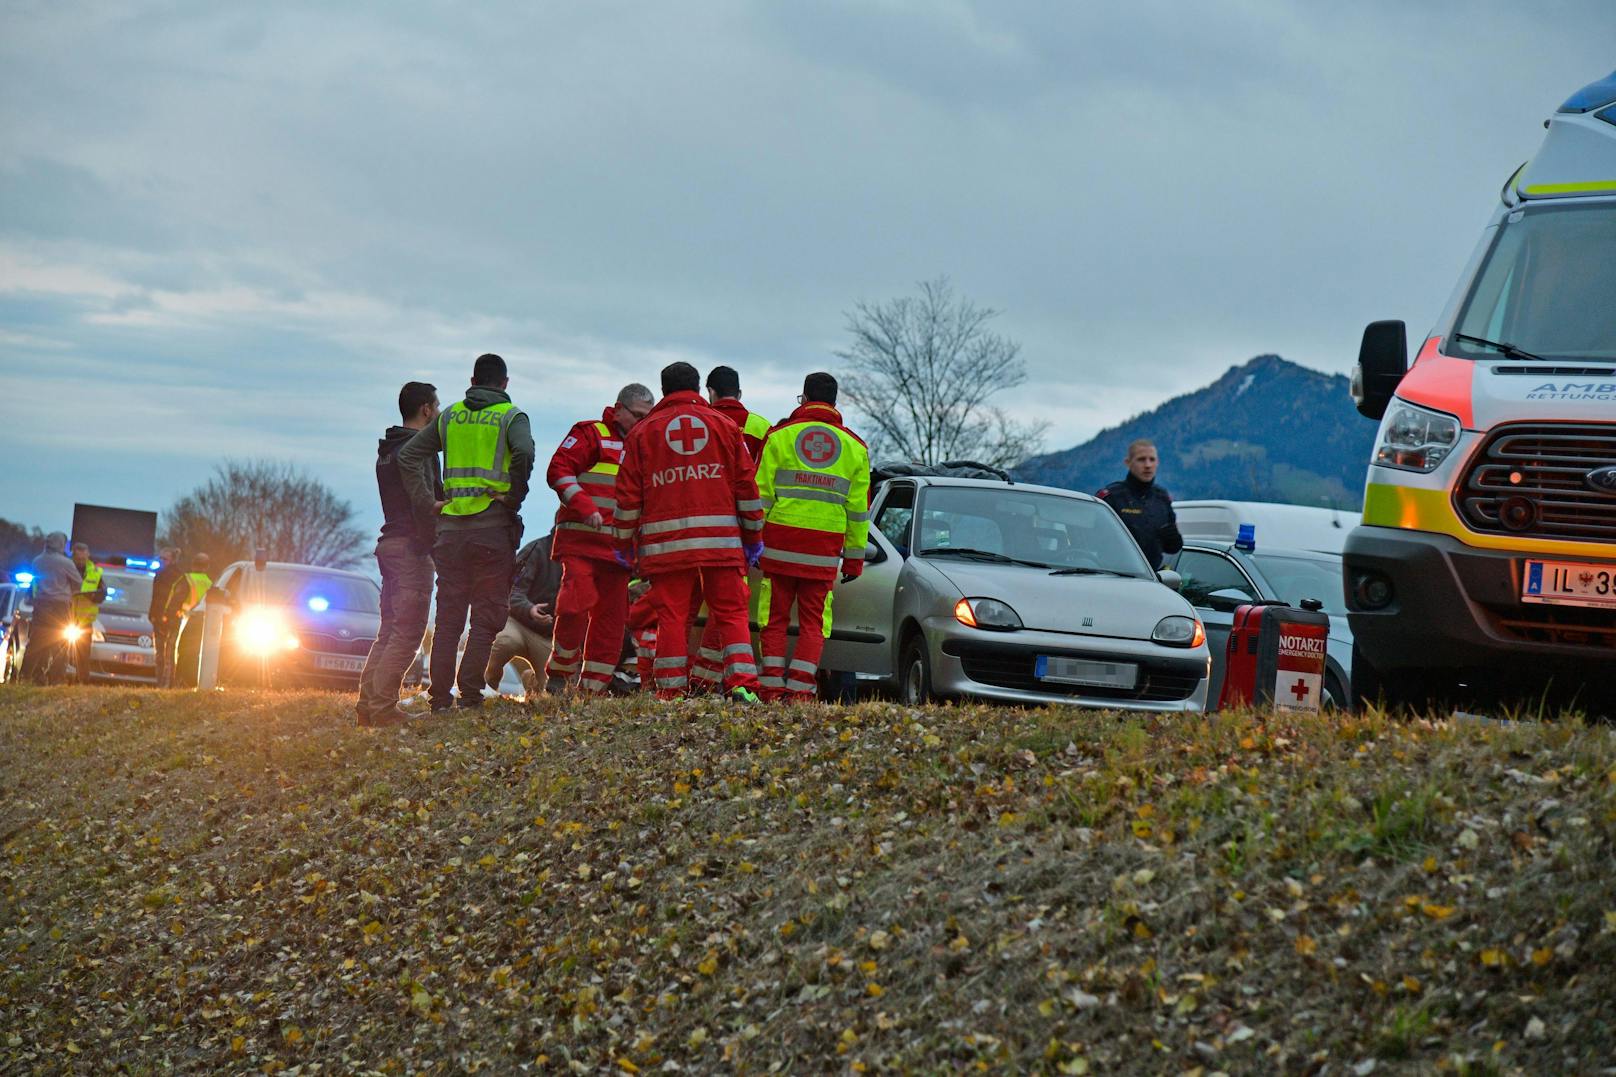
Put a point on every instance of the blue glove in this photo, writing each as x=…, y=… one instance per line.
x=618, y=556
x=753, y=552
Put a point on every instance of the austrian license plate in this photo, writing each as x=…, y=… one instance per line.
x=1570, y=583
x=135, y=658
x=1085, y=672
x=339, y=663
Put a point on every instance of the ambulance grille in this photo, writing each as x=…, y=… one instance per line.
x=1547, y=465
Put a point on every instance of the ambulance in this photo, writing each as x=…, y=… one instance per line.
x=1485, y=565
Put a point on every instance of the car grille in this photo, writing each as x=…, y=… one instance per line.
x=317, y=641
x=120, y=636
x=1564, y=625
x=1012, y=667
x=1546, y=464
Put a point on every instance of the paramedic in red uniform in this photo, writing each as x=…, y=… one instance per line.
x=687, y=503
x=814, y=479
x=592, y=604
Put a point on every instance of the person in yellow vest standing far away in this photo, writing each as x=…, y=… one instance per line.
x=487, y=460
x=814, y=479
x=86, y=607
x=186, y=594
x=592, y=605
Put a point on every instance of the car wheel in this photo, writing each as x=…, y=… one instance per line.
x=1335, y=694
x=916, y=682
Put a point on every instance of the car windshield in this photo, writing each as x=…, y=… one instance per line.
x=1296, y=578
x=1014, y=525
x=310, y=589
x=127, y=593
x=1545, y=288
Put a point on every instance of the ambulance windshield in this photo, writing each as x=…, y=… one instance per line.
x=1545, y=288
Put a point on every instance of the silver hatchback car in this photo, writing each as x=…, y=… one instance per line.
x=1017, y=593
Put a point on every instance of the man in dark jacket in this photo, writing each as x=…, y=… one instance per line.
x=163, y=629
x=488, y=461
x=530, y=624
x=404, y=555
x=1144, y=507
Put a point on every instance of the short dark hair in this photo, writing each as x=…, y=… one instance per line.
x=489, y=369
x=819, y=388
x=724, y=381
x=680, y=378
x=413, y=397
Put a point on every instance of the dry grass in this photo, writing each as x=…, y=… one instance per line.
x=248, y=882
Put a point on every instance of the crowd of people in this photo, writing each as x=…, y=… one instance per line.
x=662, y=508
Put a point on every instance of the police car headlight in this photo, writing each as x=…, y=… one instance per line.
x=1413, y=438
x=1179, y=631
x=264, y=631
x=987, y=613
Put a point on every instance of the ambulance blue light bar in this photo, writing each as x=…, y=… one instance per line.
x=150, y=564
x=1247, y=538
x=26, y=579
x=1592, y=96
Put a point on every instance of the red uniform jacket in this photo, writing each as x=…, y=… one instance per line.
x=583, y=473
x=686, y=491
x=737, y=413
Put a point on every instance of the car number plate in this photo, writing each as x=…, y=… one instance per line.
x=340, y=663
x=1570, y=583
x=135, y=658
x=1083, y=671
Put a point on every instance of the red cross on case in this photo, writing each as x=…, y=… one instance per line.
x=686, y=435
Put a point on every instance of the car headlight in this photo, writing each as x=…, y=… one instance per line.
x=1413, y=438
x=73, y=633
x=1179, y=631
x=987, y=613
x=264, y=632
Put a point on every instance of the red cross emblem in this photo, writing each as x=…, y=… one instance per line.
x=686, y=435
x=1299, y=689
x=818, y=447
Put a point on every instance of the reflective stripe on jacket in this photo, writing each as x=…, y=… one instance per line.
x=475, y=452
x=686, y=491
x=583, y=473
x=814, y=480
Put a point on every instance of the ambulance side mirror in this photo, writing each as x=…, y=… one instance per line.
x=1382, y=362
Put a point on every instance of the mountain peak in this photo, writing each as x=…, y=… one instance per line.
x=1267, y=429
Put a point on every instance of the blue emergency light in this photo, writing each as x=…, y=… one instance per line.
x=1247, y=538
x=319, y=604
x=26, y=579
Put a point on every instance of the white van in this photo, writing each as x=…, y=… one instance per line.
x=1486, y=560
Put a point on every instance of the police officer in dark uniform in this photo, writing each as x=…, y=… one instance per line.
x=1145, y=508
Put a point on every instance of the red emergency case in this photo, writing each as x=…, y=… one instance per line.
x=1275, y=657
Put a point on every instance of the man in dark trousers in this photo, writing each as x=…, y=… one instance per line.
x=164, y=628
x=487, y=460
x=530, y=622
x=404, y=556
x=56, y=581
x=1144, y=507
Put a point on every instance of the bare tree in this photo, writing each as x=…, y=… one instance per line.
x=921, y=369
x=264, y=504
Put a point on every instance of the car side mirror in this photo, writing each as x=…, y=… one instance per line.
x=1382, y=362
x=873, y=553
x=1170, y=578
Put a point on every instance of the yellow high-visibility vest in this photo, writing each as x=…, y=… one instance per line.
x=475, y=454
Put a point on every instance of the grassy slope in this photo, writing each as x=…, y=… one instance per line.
x=249, y=882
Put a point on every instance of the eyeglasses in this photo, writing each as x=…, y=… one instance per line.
x=802, y=398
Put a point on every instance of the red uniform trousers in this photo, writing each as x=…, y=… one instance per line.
x=673, y=595
x=708, y=669
x=796, y=681
x=591, y=606
x=642, y=629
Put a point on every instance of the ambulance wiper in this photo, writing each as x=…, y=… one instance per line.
x=979, y=555
x=1507, y=349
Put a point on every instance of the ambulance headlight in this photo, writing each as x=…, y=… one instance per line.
x=1179, y=631
x=1413, y=438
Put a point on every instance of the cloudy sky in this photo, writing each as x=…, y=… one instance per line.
x=235, y=229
